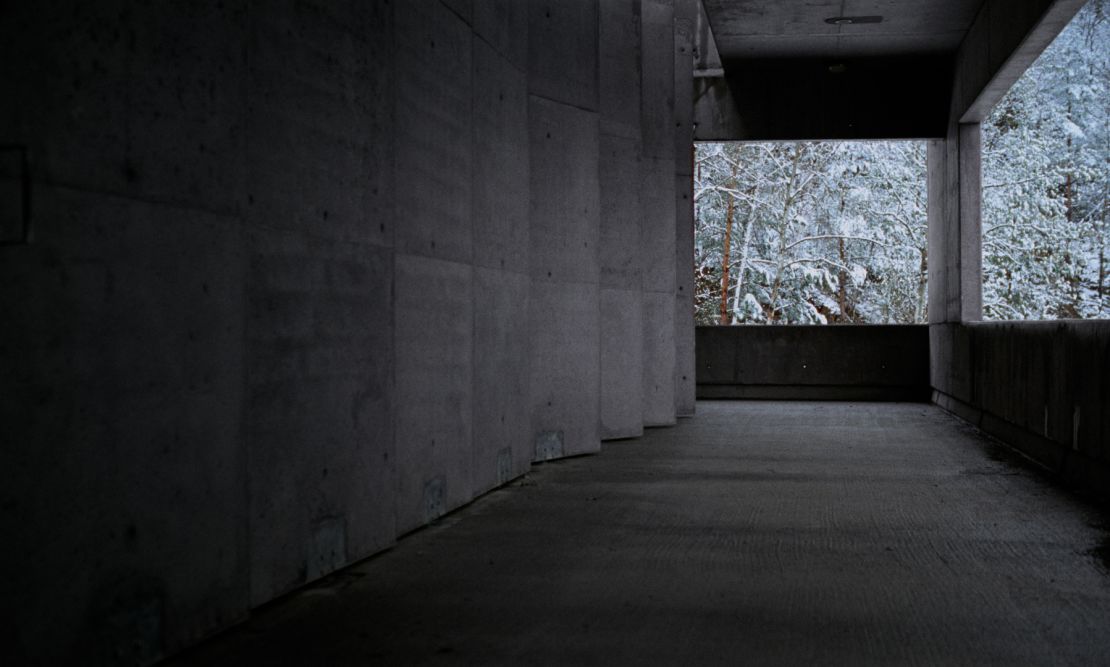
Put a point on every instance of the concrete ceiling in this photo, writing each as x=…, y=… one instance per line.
x=764, y=29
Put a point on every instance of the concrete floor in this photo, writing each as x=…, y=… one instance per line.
x=756, y=533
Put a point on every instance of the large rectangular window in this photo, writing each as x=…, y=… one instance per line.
x=811, y=233
x=1046, y=179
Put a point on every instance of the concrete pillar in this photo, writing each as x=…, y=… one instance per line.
x=955, y=259
x=319, y=330
x=686, y=17
x=955, y=254
x=658, y=201
x=500, y=186
x=434, y=307
x=971, y=228
x=622, y=307
x=565, y=208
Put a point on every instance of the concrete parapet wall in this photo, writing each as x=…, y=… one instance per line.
x=1043, y=387
x=850, y=362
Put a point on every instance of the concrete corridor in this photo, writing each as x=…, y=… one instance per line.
x=757, y=533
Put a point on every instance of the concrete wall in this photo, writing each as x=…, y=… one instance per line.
x=1043, y=387
x=658, y=247
x=304, y=276
x=687, y=14
x=857, y=362
x=1039, y=386
x=564, y=310
x=622, y=266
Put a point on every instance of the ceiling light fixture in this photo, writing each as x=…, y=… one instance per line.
x=853, y=20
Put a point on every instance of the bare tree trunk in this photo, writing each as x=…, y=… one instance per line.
x=841, y=288
x=784, y=223
x=725, y=258
x=1101, y=277
x=741, y=270
x=922, y=282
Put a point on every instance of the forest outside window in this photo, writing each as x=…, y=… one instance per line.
x=1046, y=181
x=811, y=233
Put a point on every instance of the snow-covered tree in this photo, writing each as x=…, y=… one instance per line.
x=1046, y=152
x=811, y=232
x=804, y=233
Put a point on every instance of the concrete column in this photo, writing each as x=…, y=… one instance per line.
x=433, y=276
x=622, y=307
x=955, y=254
x=686, y=16
x=936, y=161
x=565, y=208
x=971, y=228
x=658, y=202
x=500, y=185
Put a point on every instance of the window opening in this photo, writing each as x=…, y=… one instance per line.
x=811, y=233
x=1046, y=152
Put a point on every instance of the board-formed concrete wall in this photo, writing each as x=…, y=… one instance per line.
x=304, y=276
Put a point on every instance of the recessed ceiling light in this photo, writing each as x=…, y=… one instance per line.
x=853, y=20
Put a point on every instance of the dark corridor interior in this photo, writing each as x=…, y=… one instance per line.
x=363, y=332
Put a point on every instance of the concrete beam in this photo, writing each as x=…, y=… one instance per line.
x=1005, y=39
x=889, y=98
x=716, y=117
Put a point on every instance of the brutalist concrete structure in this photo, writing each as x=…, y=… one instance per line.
x=283, y=282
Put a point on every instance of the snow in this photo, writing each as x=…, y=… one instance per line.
x=835, y=232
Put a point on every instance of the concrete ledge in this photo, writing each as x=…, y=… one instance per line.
x=799, y=392
x=1073, y=468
